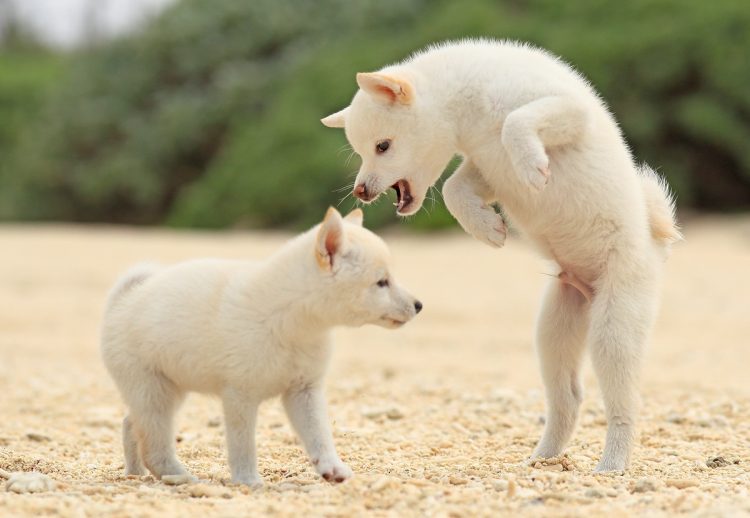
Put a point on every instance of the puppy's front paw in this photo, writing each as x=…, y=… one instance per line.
x=608, y=465
x=487, y=226
x=254, y=482
x=332, y=469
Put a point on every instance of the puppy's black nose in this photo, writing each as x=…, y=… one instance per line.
x=418, y=306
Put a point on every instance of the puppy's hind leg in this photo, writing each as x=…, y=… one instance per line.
x=561, y=338
x=621, y=316
x=133, y=462
x=528, y=131
x=152, y=410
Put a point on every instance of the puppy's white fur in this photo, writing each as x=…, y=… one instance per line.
x=537, y=139
x=246, y=332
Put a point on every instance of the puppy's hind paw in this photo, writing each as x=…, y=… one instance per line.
x=611, y=466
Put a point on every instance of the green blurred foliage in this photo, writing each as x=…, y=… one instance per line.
x=26, y=75
x=209, y=116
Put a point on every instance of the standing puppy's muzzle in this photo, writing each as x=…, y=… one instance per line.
x=361, y=192
x=404, y=197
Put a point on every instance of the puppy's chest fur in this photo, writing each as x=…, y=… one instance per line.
x=268, y=356
x=283, y=365
x=581, y=213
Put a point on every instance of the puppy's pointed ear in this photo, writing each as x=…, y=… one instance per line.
x=356, y=216
x=329, y=240
x=386, y=88
x=336, y=120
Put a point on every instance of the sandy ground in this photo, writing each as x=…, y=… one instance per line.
x=435, y=419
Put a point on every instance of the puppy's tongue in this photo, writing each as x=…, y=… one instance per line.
x=404, y=195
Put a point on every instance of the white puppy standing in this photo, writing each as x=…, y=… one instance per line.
x=536, y=138
x=246, y=332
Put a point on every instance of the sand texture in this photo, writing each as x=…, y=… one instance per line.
x=436, y=419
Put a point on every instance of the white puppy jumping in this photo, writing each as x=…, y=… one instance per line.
x=537, y=139
x=246, y=332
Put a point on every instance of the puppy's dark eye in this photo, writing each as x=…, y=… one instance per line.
x=383, y=283
x=382, y=146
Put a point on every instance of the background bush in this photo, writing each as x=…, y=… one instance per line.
x=26, y=75
x=209, y=116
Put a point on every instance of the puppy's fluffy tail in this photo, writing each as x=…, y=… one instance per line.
x=660, y=203
x=130, y=279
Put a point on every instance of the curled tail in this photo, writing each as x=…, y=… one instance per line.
x=130, y=279
x=660, y=203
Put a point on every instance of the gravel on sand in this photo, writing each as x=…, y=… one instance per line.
x=437, y=418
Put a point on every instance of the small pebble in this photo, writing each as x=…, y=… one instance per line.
x=286, y=486
x=594, y=492
x=677, y=503
x=29, y=482
x=177, y=480
x=208, y=491
x=717, y=462
x=394, y=413
x=554, y=464
x=682, y=483
x=389, y=412
x=500, y=485
x=676, y=418
x=381, y=483
x=511, y=488
x=712, y=422
x=149, y=490
x=37, y=437
x=644, y=485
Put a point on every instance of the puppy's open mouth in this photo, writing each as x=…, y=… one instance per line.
x=403, y=195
